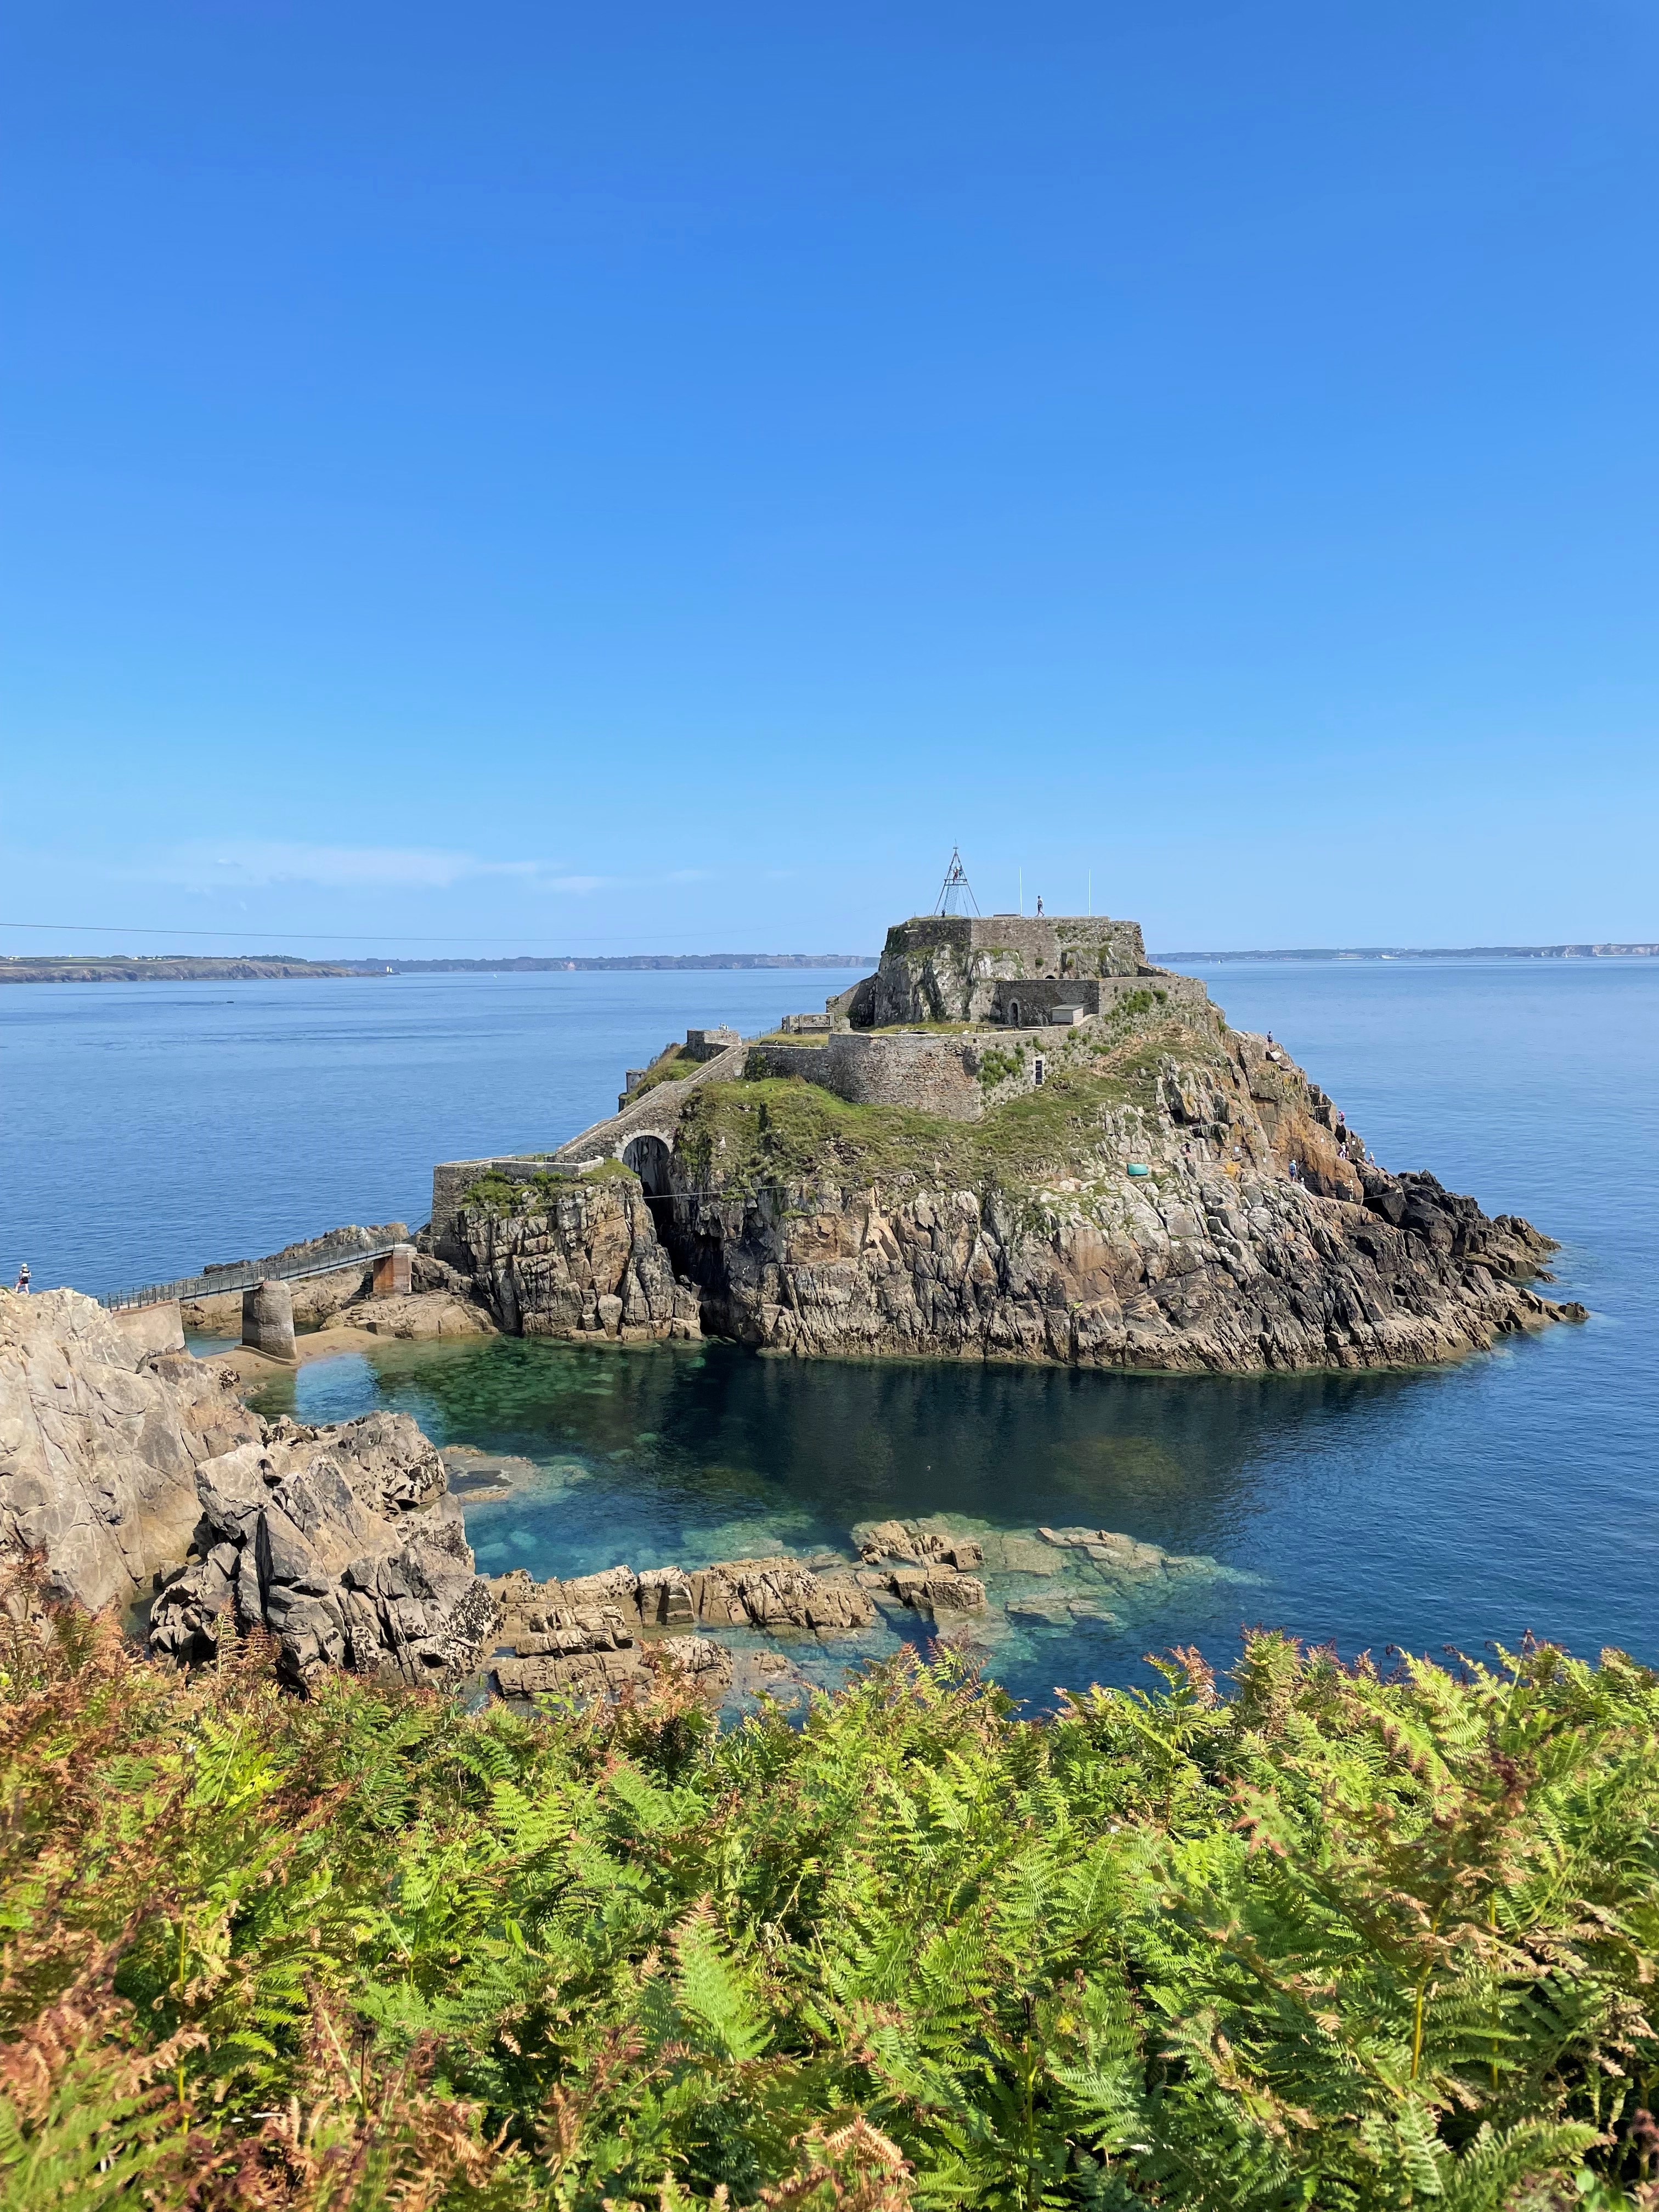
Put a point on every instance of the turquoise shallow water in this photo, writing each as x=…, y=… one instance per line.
x=1518, y=1491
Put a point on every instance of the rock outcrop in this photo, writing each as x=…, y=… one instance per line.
x=594, y=1632
x=418, y=1318
x=139, y=1471
x=1177, y=1195
x=587, y=1263
x=99, y=1443
x=340, y=1542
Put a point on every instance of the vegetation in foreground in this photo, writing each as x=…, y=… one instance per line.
x=1337, y=1940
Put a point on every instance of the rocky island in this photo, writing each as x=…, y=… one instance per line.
x=1017, y=1140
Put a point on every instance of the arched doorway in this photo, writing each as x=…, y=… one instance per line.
x=648, y=1158
x=1013, y=1013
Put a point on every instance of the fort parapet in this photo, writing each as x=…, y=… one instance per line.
x=945, y=967
x=962, y=1012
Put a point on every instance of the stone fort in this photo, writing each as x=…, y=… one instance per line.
x=962, y=1013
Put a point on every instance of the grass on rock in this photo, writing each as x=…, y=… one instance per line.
x=780, y=1129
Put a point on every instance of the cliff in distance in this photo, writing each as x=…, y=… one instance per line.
x=1131, y=1183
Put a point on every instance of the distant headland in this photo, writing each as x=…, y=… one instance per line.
x=1432, y=952
x=188, y=968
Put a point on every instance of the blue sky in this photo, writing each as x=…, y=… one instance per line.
x=528, y=477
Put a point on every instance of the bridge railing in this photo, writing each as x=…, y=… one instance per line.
x=242, y=1275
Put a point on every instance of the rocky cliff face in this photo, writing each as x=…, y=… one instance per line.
x=1177, y=1195
x=100, y=1442
x=342, y=1545
x=586, y=1261
x=133, y=1472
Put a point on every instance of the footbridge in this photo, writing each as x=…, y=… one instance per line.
x=321, y=1257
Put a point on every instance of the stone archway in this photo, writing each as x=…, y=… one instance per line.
x=648, y=1157
x=1013, y=1013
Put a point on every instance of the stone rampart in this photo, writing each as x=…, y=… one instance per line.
x=930, y=1074
x=942, y=1073
x=946, y=1071
x=1034, y=1000
x=452, y=1178
x=945, y=967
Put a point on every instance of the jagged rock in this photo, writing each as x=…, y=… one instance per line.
x=592, y=1667
x=99, y=1445
x=766, y=1593
x=343, y=1544
x=708, y=1663
x=418, y=1317
x=588, y=1265
x=596, y=1673
x=593, y=1634
x=932, y=1592
x=778, y=1594
x=909, y=1543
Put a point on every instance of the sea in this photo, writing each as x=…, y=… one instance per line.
x=148, y=1128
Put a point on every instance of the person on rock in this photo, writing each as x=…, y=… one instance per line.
x=23, y=1284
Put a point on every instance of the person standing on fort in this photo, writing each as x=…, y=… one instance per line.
x=1039, y=901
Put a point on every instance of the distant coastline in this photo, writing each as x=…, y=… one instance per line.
x=1427, y=952
x=186, y=968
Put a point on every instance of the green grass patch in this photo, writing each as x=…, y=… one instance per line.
x=672, y=1067
x=780, y=1130
x=500, y=1195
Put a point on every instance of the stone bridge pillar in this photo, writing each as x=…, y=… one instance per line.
x=394, y=1275
x=268, y=1319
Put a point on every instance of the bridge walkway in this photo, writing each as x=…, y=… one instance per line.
x=244, y=1274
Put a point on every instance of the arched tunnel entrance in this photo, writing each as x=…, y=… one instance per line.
x=695, y=1251
x=648, y=1158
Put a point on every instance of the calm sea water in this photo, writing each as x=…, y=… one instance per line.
x=148, y=1128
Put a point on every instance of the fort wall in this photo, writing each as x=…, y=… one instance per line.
x=943, y=967
x=451, y=1178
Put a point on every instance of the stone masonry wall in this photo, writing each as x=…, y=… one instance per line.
x=931, y=1074
x=944, y=967
x=942, y=1072
x=450, y=1179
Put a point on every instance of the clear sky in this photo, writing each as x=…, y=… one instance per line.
x=526, y=475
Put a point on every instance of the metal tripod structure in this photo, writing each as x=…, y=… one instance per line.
x=956, y=888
